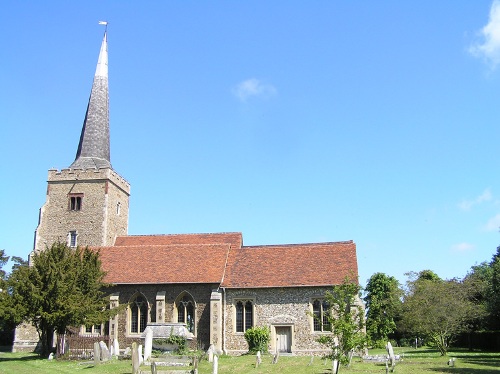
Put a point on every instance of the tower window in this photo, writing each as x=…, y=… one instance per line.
x=72, y=238
x=118, y=208
x=75, y=201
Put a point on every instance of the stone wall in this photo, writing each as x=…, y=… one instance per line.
x=98, y=222
x=200, y=293
x=275, y=307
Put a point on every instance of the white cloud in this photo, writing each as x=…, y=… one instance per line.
x=468, y=204
x=489, y=48
x=252, y=88
x=493, y=223
x=462, y=247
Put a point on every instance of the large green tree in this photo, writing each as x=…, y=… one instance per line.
x=383, y=301
x=345, y=316
x=63, y=287
x=435, y=309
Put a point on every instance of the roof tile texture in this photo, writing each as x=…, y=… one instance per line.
x=220, y=258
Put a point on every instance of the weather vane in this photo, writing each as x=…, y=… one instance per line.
x=105, y=23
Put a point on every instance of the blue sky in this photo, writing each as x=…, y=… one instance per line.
x=291, y=122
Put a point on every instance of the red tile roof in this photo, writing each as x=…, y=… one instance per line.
x=178, y=263
x=291, y=265
x=202, y=258
x=233, y=238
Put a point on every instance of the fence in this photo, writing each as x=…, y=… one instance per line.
x=82, y=347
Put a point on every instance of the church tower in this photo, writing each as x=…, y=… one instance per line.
x=87, y=203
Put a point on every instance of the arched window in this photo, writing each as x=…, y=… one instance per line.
x=244, y=315
x=185, y=312
x=138, y=314
x=320, y=313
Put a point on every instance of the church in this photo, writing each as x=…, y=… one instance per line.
x=211, y=284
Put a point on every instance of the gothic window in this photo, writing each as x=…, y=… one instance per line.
x=138, y=314
x=72, y=236
x=185, y=312
x=75, y=201
x=320, y=313
x=244, y=315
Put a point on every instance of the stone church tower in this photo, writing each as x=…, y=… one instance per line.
x=87, y=203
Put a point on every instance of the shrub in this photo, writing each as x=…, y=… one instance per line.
x=257, y=339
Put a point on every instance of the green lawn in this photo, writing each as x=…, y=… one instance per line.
x=414, y=361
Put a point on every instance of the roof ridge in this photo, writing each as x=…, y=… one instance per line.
x=297, y=244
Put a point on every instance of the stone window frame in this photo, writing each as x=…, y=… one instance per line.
x=243, y=300
x=73, y=238
x=75, y=201
x=314, y=323
x=92, y=330
x=175, y=315
x=139, y=317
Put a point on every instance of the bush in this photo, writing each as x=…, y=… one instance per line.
x=258, y=339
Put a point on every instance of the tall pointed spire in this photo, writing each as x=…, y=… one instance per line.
x=93, y=149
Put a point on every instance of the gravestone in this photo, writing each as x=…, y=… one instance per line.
x=215, y=367
x=153, y=368
x=311, y=360
x=211, y=353
x=116, y=347
x=275, y=357
x=127, y=353
x=392, y=358
x=104, y=351
x=148, y=343
x=141, y=357
x=51, y=356
x=258, y=359
x=97, y=354
x=135, y=359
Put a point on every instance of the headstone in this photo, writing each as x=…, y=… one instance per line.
x=104, y=351
x=51, y=356
x=148, y=343
x=211, y=353
x=311, y=360
x=392, y=358
x=215, y=367
x=127, y=353
x=153, y=368
x=195, y=365
x=258, y=359
x=141, y=357
x=451, y=362
x=116, y=347
x=135, y=359
x=97, y=353
x=275, y=357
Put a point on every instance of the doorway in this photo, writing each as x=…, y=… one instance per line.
x=284, y=339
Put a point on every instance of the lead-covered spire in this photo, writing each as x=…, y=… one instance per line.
x=93, y=149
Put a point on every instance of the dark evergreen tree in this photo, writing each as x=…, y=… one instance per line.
x=63, y=287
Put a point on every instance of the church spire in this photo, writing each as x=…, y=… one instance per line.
x=93, y=149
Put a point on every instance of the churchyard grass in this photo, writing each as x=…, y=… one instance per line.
x=414, y=361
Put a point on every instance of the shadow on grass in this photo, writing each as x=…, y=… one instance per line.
x=24, y=358
x=458, y=370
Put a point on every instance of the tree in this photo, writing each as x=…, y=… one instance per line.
x=436, y=309
x=494, y=303
x=383, y=301
x=345, y=317
x=62, y=288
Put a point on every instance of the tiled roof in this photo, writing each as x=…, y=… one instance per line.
x=200, y=263
x=201, y=258
x=291, y=265
x=233, y=238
